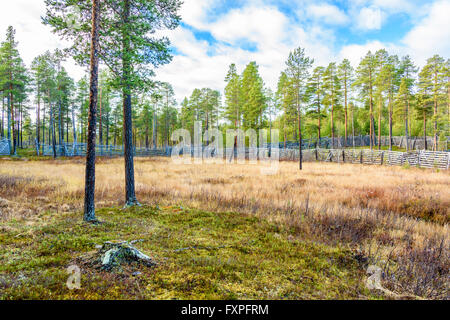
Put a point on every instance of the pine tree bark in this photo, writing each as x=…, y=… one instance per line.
x=435, y=113
x=300, y=140
x=319, y=116
x=332, y=125
x=11, y=102
x=371, y=112
x=346, y=113
x=127, y=116
x=89, y=191
x=390, y=121
x=100, y=124
x=52, y=130
x=406, y=127
x=425, y=129
x=154, y=130
x=379, y=124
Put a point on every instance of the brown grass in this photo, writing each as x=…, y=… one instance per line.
x=404, y=213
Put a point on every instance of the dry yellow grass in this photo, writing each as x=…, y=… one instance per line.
x=401, y=212
x=413, y=192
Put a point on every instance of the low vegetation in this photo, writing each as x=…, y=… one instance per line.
x=220, y=231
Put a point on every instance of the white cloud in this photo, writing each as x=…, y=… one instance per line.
x=394, y=5
x=272, y=31
x=355, y=52
x=194, y=12
x=327, y=13
x=431, y=35
x=33, y=37
x=369, y=18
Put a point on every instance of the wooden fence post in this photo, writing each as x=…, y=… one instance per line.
x=361, y=156
x=448, y=161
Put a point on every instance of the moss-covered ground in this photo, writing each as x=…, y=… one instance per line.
x=200, y=255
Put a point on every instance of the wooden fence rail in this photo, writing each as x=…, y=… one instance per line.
x=79, y=150
x=422, y=159
x=5, y=148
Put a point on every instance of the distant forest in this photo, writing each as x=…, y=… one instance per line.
x=385, y=95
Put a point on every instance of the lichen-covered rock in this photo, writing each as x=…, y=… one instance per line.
x=113, y=254
x=4, y=203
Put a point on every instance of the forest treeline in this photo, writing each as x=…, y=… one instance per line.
x=385, y=95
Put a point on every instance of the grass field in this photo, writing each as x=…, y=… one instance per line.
x=226, y=231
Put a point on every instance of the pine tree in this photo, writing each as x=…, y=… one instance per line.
x=446, y=71
x=332, y=89
x=233, y=97
x=13, y=81
x=407, y=71
x=381, y=86
x=402, y=101
x=316, y=91
x=89, y=194
x=365, y=80
x=389, y=80
x=128, y=46
x=432, y=78
x=424, y=108
x=38, y=68
x=286, y=96
x=253, y=100
x=297, y=71
x=345, y=73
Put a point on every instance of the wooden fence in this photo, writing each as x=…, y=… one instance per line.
x=414, y=143
x=79, y=150
x=5, y=148
x=422, y=159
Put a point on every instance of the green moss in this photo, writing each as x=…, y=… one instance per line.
x=201, y=255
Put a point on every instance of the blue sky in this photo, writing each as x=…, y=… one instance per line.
x=216, y=33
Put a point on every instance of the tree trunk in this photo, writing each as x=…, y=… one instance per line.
x=379, y=124
x=52, y=130
x=319, y=115
x=60, y=126
x=346, y=114
x=390, y=122
x=43, y=130
x=130, y=196
x=2, y=128
x=11, y=100
x=435, y=114
x=353, y=126
x=332, y=125
x=89, y=191
x=9, y=121
x=147, y=129
x=100, y=125
x=107, y=126
x=300, y=140
x=20, y=125
x=406, y=127
x=371, y=112
x=425, y=129
x=154, y=133
x=74, y=129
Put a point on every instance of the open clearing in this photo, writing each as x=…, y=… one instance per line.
x=226, y=231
